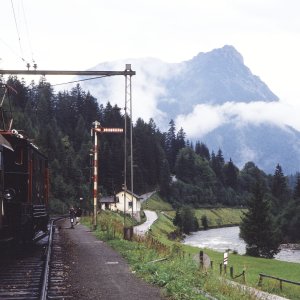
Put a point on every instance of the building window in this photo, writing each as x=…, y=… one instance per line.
x=130, y=204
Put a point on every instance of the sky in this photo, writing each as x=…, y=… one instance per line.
x=77, y=35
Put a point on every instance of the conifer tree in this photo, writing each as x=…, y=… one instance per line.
x=180, y=140
x=202, y=150
x=280, y=188
x=297, y=187
x=170, y=146
x=217, y=164
x=230, y=174
x=258, y=228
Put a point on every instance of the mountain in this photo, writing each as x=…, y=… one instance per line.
x=215, y=77
x=264, y=144
x=209, y=80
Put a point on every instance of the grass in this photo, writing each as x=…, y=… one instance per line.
x=217, y=217
x=179, y=276
x=253, y=266
x=156, y=203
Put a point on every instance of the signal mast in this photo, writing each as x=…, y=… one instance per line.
x=128, y=73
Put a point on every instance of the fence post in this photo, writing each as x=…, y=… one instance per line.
x=211, y=264
x=231, y=272
x=280, y=284
x=260, y=280
x=201, y=259
x=221, y=268
x=225, y=262
x=244, y=276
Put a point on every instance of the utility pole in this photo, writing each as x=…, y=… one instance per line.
x=95, y=130
x=128, y=73
x=128, y=102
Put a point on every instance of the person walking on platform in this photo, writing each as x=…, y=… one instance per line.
x=72, y=216
x=78, y=215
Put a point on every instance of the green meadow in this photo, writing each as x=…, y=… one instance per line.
x=173, y=267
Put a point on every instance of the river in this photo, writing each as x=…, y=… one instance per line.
x=221, y=239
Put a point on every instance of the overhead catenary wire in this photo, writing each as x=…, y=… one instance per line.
x=17, y=28
x=27, y=32
x=12, y=50
x=74, y=81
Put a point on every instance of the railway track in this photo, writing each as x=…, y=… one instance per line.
x=34, y=271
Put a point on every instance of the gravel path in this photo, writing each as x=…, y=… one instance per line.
x=98, y=272
x=143, y=228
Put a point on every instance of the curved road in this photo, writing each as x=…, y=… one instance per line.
x=143, y=228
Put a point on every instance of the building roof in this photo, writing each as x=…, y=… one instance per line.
x=133, y=194
x=4, y=142
x=108, y=199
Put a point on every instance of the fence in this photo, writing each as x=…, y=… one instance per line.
x=281, y=280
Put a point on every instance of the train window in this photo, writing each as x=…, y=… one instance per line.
x=1, y=167
x=19, y=156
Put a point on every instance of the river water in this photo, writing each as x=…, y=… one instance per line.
x=221, y=239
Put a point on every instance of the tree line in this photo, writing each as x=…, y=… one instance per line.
x=186, y=173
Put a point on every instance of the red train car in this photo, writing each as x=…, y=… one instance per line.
x=23, y=188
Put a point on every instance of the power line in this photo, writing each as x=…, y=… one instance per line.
x=27, y=31
x=80, y=80
x=12, y=50
x=18, y=33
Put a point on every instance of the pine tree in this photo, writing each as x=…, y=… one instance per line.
x=217, y=164
x=170, y=146
x=280, y=188
x=164, y=178
x=297, y=187
x=230, y=174
x=180, y=140
x=202, y=150
x=257, y=227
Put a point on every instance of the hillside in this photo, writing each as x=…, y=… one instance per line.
x=217, y=217
x=212, y=97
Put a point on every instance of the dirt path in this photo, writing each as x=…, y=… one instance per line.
x=98, y=272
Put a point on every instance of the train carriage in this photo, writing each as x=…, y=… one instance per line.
x=23, y=188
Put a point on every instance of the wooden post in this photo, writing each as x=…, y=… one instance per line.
x=244, y=276
x=231, y=272
x=201, y=259
x=260, y=280
x=280, y=284
x=211, y=264
x=221, y=265
x=225, y=269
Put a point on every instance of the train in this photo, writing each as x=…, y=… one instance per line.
x=24, y=188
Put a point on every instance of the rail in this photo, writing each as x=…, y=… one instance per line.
x=281, y=280
x=46, y=268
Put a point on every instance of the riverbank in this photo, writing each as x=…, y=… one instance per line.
x=224, y=239
x=252, y=266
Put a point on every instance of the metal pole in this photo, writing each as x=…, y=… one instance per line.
x=125, y=152
x=96, y=125
x=131, y=145
x=128, y=90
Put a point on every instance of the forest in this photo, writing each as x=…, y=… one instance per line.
x=185, y=172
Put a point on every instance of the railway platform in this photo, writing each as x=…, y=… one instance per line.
x=96, y=271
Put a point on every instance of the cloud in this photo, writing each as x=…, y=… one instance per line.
x=205, y=118
x=147, y=86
